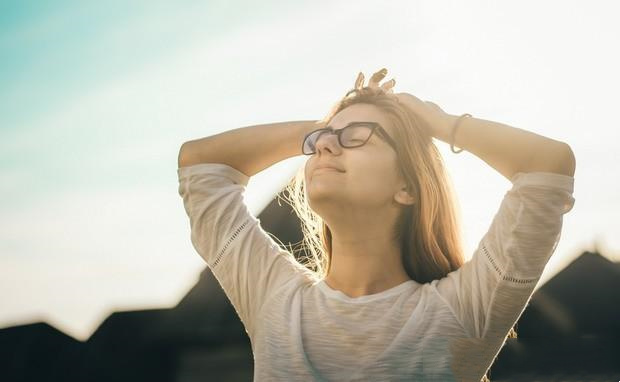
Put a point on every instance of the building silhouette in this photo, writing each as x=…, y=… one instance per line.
x=570, y=331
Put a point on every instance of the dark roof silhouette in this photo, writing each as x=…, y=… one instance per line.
x=568, y=332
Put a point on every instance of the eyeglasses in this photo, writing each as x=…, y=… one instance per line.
x=355, y=134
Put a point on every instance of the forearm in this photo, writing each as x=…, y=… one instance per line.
x=509, y=149
x=248, y=149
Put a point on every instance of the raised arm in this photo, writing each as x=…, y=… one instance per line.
x=507, y=149
x=213, y=173
x=249, y=149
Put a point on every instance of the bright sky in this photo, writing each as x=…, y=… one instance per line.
x=97, y=98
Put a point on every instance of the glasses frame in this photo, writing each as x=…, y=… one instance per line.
x=375, y=126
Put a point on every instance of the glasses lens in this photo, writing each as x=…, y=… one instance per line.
x=355, y=135
x=352, y=136
x=309, y=146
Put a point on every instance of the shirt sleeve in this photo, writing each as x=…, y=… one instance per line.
x=248, y=264
x=491, y=290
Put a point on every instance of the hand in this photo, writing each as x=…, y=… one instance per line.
x=434, y=119
x=373, y=83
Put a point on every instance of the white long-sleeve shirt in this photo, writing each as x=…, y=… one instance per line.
x=300, y=329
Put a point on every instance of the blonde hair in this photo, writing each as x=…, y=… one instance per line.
x=429, y=231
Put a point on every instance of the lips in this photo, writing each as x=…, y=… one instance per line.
x=327, y=167
x=322, y=169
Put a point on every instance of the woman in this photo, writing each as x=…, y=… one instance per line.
x=386, y=294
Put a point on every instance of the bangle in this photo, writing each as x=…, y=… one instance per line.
x=453, y=133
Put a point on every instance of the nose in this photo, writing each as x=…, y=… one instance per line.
x=328, y=141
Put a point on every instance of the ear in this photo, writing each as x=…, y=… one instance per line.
x=403, y=196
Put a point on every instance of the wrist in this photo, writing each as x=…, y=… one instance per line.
x=443, y=128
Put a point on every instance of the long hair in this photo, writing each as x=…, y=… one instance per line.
x=429, y=230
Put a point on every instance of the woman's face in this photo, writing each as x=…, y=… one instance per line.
x=367, y=177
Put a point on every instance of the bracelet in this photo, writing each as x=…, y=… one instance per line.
x=453, y=133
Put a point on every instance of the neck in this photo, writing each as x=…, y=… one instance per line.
x=364, y=264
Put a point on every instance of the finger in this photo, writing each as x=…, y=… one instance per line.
x=389, y=91
x=387, y=86
x=359, y=81
x=378, y=76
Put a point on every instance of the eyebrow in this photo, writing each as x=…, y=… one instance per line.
x=351, y=123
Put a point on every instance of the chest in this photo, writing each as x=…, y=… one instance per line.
x=323, y=342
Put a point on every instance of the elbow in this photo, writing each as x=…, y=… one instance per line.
x=182, y=160
x=556, y=158
x=566, y=161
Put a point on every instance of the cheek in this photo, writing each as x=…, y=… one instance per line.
x=374, y=180
x=379, y=171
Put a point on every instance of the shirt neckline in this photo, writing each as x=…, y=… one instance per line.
x=333, y=293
